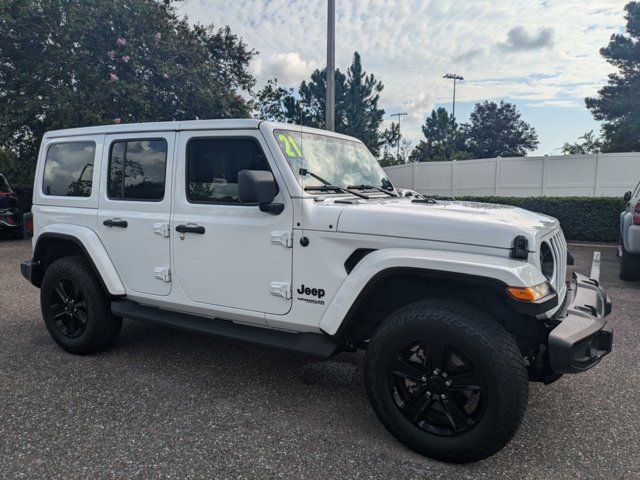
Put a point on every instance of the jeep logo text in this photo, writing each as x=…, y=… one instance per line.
x=315, y=292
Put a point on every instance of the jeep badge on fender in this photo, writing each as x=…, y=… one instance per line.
x=316, y=292
x=457, y=305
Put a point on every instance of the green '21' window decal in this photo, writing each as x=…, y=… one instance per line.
x=289, y=146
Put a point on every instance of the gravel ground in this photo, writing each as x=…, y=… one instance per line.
x=168, y=404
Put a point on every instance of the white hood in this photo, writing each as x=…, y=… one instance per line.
x=472, y=223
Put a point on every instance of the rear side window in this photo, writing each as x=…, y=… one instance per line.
x=213, y=165
x=137, y=170
x=68, y=169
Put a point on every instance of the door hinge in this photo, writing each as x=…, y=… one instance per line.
x=162, y=229
x=163, y=273
x=282, y=238
x=281, y=289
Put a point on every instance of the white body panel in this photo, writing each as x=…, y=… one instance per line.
x=139, y=249
x=234, y=263
x=93, y=246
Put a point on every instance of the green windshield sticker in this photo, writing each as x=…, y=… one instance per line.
x=291, y=148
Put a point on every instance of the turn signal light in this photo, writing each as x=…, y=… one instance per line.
x=530, y=294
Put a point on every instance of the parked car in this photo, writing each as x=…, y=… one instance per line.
x=630, y=236
x=295, y=238
x=10, y=218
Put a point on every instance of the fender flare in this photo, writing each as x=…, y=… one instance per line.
x=89, y=242
x=509, y=272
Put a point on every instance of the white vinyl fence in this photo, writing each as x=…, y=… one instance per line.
x=597, y=175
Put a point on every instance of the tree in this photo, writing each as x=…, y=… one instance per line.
x=590, y=144
x=390, y=154
x=496, y=130
x=357, y=110
x=444, y=139
x=618, y=102
x=70, y=63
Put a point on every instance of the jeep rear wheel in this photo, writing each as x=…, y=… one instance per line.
x=76, y=311
x=446, y=380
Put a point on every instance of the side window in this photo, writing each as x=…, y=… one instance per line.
x=137, y=170
x=68, y=169
x=213, y=165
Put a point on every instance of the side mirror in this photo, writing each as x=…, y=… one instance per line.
x=627, y=196
x=259, y=186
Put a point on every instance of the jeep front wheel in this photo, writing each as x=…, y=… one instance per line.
x=76, y=311
x=446, y=380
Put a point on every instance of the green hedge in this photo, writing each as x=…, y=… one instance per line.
x=593, y=219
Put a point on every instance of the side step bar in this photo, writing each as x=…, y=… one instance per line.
x=315, y=344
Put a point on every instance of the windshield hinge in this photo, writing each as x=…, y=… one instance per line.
x=284, y=238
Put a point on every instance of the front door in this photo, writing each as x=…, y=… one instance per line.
x=135, y=206
x=225, y=252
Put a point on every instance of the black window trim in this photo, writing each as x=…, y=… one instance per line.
x=220, y=137
x=44, y=167
x=166, y=161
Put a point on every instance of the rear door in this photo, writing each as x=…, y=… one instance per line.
x=134, y=209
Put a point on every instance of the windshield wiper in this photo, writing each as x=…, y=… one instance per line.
x=372, y=187
x=334, y=188
x=326, y=186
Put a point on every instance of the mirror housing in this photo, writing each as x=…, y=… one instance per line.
x=259, y=186
x=627, y=196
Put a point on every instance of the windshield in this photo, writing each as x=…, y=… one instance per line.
x=343, y=163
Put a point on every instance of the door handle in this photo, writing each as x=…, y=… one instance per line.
x=190, y=229
x=115, y=222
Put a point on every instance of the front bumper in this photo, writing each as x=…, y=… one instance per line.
x=582, y=335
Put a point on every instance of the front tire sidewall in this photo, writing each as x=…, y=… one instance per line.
x=504, y=396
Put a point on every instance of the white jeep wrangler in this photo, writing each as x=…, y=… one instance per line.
x=294, y=238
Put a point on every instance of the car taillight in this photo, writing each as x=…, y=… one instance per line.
x=27, y=224
x=636, y=214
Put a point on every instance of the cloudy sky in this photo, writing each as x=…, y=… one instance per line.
x=540, y=54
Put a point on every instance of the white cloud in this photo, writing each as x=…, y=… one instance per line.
x=289, y=68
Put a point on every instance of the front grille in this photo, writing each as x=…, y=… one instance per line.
x=558, y=246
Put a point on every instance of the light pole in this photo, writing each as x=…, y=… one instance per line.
x=330, y=119
x=455, y=77
x=400, y=114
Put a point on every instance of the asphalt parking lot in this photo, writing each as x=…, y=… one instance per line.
x=168, y=404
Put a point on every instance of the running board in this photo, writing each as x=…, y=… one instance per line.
x=315, y=344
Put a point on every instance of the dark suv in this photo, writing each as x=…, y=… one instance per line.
x=10, y=218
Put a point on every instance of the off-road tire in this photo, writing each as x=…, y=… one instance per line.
x=629, y=265
x=102, y=327
x=476, y=335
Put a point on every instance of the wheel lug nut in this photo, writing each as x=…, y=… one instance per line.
x=448, y=383
x=443, y=396
x=436, y=371
x=424, y=379
x=428, y=394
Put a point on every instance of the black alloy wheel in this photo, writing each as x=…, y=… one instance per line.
x=68, y=308
x=437, y=388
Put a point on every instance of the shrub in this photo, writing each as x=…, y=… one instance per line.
x=593, y=219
